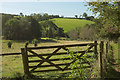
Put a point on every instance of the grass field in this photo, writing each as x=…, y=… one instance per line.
x=69, y=24
x=12, y=66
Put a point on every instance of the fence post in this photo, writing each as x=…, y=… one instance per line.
x=118, y=60
x=95, y=50
x=106, y=58
x=101, y=58
x=107, y=46
x=25, y=61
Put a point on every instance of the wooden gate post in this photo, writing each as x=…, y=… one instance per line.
x=107, y=46
x=101, y=58
x=25, y=61
x=95, y=50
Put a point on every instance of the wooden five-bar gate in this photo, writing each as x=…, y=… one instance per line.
x=29, y=52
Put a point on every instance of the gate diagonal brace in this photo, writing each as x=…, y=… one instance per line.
x=78, y=57
x=45, y=59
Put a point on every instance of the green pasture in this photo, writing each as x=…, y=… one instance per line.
x=69, y=24
x=12, y=65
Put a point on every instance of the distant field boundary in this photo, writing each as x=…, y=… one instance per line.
x=6, y=54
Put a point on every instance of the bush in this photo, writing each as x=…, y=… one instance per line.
x=9, y=44
x=35, y=41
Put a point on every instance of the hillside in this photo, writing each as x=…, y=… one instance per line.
x=69, y=24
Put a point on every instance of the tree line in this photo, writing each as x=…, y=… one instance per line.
x=22, y=27
x=85, y=16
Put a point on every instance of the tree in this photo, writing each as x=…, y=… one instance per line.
x=85, y=15
x=35, y=28
x=60, y=32
x=62, y=16
x=80, y=16
x=76, y=16
x=12, y=29
x=73, y=34
x=5, y=18
x=9, y=44
x=88, y=32
x=37, y=17
x=45, y=16
x=109, y=17
x=21, y=14
x=91, y=18
x=25, y=28
x=49, y=29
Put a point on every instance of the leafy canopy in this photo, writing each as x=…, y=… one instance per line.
x=108, y=17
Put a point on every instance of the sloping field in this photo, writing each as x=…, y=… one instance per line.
x=69, y=24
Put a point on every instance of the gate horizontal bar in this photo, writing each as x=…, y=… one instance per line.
x=55, y=64
x=48, y=65
x=49, y=60
x=60, y=53
x=72, y=45
x=5, y=54
x=56, y=69
x=34, y=61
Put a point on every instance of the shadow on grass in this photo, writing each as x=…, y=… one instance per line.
x=19, y=76
x=46, y=40
x=60, y=76
x=111, y=72
x=39, y=41
x=112, y=75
